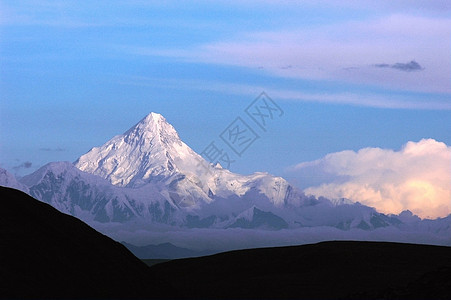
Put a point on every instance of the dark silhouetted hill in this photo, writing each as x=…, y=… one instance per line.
x=47, y=254
x=328, y=270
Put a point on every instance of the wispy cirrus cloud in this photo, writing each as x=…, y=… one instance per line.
x=343, y=52
x=348, y=98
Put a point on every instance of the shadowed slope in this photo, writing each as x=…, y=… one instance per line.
x=45, y=253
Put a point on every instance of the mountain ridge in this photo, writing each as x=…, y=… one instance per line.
x=148, y=179
x=326, y=270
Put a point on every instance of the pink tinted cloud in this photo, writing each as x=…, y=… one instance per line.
x=416, y=178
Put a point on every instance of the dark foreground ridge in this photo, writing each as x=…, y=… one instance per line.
x=47, y=254
x=328, y=270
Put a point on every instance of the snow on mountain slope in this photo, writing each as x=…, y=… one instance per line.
x=256, y=218
x=149, y=150
x=9, y=180
x=152, y=152
x=91, y=197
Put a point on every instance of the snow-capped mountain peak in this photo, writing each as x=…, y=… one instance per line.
x=148, y=151
x=152, y=129
x=8, y=180
x=152, y=152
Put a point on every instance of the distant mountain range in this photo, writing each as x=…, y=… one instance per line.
x=148, y=179
x=164, y=251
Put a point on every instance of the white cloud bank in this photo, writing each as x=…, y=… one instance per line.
x=417, y=178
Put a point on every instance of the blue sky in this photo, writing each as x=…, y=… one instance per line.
x=347, y=75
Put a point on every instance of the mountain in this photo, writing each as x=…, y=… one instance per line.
x=47, y=254
x=256, y=218
x=163, y=251
x=9, y=180
x=152, y=152
x=93, y=198
x=146, y=186
x=149, y=151
x=148, y=173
